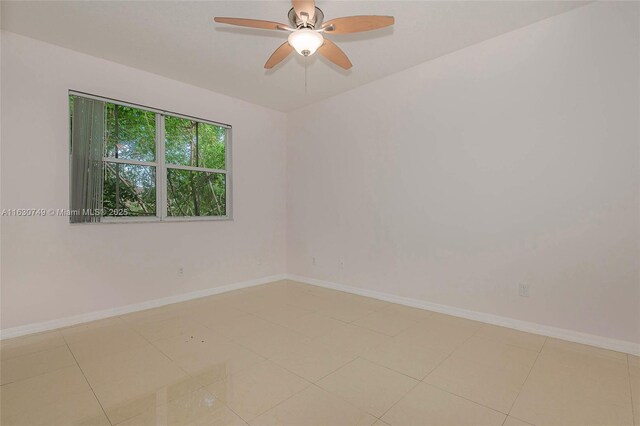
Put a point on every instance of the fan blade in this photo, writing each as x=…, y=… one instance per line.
x=304, y=6
x=279, y=55
x=357, y=24
x=251, y=23
x=333, y=53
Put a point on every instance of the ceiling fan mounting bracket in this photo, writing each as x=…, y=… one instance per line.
x=313, y=23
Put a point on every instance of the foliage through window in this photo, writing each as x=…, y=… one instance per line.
x=136, y=162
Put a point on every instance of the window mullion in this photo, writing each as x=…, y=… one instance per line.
x=228, y=175
x=161, y=173
x=195, y=169
x=126, y=161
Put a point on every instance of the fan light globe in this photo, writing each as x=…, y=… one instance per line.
x=306, y=41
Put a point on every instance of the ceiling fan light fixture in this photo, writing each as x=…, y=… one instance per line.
x=306, y=41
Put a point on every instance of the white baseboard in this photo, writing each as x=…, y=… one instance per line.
x=545, y=330
x=92, y=316
x=530, y=327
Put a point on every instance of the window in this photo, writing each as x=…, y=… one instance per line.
x=136, y=163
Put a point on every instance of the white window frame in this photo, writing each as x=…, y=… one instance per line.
x=161, y=167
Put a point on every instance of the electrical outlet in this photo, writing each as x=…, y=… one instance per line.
x=523, y=290
x=180, y=271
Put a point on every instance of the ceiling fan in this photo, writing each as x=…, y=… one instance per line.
x=306, y=29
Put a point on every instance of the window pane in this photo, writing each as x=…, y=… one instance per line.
x=190, y=143
x=211, y=146
x=129, y=190
x=131, y=133
x=192, y=193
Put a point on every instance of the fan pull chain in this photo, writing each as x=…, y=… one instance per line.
x=305, y=75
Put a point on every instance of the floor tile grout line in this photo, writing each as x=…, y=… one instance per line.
x=426, y=375
x=152, y=344
x=315, y=383
x=452, y=393
x=333, y=371
x=227, y=405
x=232, y=341
x=389, y=368
x=264, y=359
x=66, y=344
x=339, y=368
x=284, y=400
x=268, y=409
x=45, y=372
x=449, y=356
x=191, y=376
x=400, y=399
x=149, y=342
x=38, y=351
x=130, y=326
x=381, y=366
x=87, y=380
x=359, y=356
x=346, y=401
x=528, y=374
x=431, y=347
x=173, y=362
x=497, y=340
x=414, y=323
x=633, y=411
x=466, y=398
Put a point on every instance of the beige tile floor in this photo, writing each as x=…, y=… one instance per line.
x=291, y=354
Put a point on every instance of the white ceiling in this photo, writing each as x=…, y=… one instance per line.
x=178, y=39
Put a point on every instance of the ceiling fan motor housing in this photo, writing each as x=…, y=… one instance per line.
x=314, y=22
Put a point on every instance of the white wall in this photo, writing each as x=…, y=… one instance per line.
x=51, y=269
x=512, y=161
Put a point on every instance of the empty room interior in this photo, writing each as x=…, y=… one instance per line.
x=327, y=213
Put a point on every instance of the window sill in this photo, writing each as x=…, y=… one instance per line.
x=155, y=219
